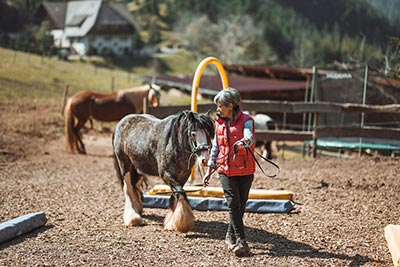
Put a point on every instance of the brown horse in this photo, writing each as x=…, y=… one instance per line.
x=87, y=105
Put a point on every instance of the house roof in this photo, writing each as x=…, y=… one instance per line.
x=78, y=18
x=115, y=17
x=81, y=17
x=56, y=12
x=124, y=12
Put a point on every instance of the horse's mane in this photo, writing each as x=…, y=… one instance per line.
x=203, y=121
x=135, y=95
x=188, y=120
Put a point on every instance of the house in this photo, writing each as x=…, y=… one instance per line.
x=91, y=26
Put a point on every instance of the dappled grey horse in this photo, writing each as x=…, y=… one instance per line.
x=168, y=148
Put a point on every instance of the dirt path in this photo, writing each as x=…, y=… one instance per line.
x=345, y=205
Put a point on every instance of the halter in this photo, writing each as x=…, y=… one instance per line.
x=196, y=148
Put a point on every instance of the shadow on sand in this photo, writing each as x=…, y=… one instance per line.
x=269, y=244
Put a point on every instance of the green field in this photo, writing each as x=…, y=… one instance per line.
x=30, y=76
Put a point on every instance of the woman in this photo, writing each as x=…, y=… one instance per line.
x=234, y=134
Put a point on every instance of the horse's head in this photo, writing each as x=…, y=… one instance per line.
x=201, y=132
x=154, y=95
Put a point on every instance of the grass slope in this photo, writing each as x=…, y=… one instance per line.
x=29, y=76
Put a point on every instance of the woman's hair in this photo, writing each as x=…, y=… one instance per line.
x=228, y=96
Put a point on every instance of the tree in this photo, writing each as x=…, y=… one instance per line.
x=137, y=42
x=43, y=37
x=233, y=39
x=303, y=53
x=201, y=35
x=392, y=58
x=238, y=36
x=154, y=34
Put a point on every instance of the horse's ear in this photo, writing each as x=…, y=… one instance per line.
x=208, y=113
x=156, y=87
x=191, y=116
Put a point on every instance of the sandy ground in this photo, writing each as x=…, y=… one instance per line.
x=342, y=207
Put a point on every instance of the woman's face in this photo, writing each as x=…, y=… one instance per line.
x=224, y=111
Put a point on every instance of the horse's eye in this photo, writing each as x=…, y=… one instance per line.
x=193, y=134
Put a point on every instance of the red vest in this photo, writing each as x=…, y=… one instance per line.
x=241, y=164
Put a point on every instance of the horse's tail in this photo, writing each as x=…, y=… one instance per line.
x=116, y=165
x=69, y=127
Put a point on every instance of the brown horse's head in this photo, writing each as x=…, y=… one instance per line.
x=154, y=95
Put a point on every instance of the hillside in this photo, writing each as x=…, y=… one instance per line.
x=26, y=76
x=293, y=33
x=259, y=32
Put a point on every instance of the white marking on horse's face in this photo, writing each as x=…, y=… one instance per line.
x=201, y=140
x=153, y=98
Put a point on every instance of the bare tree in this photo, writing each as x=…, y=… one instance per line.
x=233, y=40
x=302, y=54
x=392, y=58
x=237, y=33
x=202, y=36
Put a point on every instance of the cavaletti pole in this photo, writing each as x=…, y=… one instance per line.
x=196, y=82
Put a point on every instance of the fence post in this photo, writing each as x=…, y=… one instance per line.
x=303, y=126
x=362, y=113
x=315, y=135
x=145, y=105
x=315, y=72
x=284, y=128
x=112, y=84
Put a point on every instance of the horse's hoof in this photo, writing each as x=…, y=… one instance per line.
x=133, y=220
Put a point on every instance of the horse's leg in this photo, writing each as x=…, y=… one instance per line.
x=80, y=146
x=268, y=148
x=180, y=214
x=264, y=150
x=91, y=124
x=133, y=199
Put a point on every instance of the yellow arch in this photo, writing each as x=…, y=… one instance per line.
x=195, y=86
x=197, y=76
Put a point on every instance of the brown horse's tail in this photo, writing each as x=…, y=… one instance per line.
x=69, y=127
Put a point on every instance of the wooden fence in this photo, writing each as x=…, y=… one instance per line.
x=317, y=131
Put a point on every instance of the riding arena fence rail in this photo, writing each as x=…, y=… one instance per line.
x=315, y=129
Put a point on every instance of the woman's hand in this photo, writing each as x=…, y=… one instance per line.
x=206, y=177
x=238, y=145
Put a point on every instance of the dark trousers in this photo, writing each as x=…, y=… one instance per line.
x=236, y=191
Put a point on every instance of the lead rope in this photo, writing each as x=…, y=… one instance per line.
x=248, y=150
